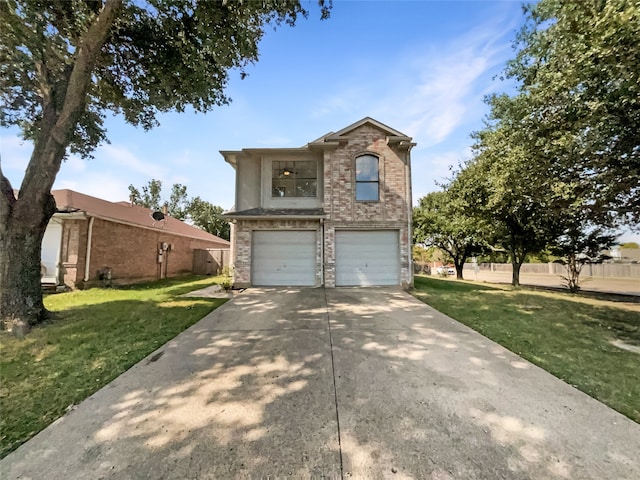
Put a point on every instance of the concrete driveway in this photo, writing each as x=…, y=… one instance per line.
x=336, y=383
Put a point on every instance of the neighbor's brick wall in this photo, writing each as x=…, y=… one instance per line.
x=131, y=252
x=243, y=232
x=390, y=212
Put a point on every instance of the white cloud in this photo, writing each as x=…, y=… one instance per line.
x=125, y=158
x=75, y=164
x=106, y=186
x=429, y=170
x=184, y=159
x=629, y=236
x=15, y=153
x=428, y=91
x=109, y=174
x=182, y=179
x=344, y=101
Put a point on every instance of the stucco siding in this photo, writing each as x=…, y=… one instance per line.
x=248, y=183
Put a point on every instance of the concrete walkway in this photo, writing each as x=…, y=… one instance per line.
x=362, y=383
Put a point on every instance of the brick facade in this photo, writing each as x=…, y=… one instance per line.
x=342, y=211
x=131, y=252
x=391, y=212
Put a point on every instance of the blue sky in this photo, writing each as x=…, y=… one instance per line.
x=421, y=67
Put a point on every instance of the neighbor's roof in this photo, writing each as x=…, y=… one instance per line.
x=68, y=201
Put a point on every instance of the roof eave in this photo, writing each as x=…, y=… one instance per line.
x=273, y=217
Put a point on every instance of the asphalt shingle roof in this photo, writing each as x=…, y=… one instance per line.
x=68, y=201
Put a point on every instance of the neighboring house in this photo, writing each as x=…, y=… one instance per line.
x=336, y=212
x=89, y=238
x=623, y=255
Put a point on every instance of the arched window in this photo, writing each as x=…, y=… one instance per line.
x=367, y=179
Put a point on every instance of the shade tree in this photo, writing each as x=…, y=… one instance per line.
x=64, y=65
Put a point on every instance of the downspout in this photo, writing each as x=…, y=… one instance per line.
x=322, y=252
x=409, y=217
x=87, y=257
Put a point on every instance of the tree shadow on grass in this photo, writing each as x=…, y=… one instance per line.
x=574, y=338
x=250, y=392
x=422, y=282
x=173, y=285
x=78, y=351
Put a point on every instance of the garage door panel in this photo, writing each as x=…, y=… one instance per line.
x=367, y=258
x=284, y=258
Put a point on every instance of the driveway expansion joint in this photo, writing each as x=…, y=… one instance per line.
x=335, y=388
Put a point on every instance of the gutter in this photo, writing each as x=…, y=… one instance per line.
x=409, y=216
x=322, y=252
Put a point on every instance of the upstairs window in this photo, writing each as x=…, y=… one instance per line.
x=298, y=178
x=367, y=179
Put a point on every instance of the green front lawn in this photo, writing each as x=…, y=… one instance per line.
x=94, y=335
x=568, y=335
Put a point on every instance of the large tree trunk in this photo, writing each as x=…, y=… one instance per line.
x=21, y=235
x=515, y=274
x=518, y=254
x=459, y=264
x=24, y=221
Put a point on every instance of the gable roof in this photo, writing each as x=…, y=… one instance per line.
x=366, y=120
x=327, y=140
x=69, y=201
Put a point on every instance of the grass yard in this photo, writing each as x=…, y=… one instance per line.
x=568, y=335
x=94, y=335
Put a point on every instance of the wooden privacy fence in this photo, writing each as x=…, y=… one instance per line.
x=210, y=261
x=603, y=270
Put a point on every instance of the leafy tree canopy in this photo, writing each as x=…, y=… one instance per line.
x=442, y=221
x=150, y=196
x=201, y=213
x=158, y=55
x=64, y=64
x=208, y=217
x=577, y=66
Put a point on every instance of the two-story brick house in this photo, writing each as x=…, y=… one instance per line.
x=336, y=212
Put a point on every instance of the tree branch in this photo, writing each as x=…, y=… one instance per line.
x=7, y=199
x=85, y=62
x=56, y=130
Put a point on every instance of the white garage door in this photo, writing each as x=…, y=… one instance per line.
x=366, y=258
x=283, y=258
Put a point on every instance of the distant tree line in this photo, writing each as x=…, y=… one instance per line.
x=196, y=211
x=556, y=167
